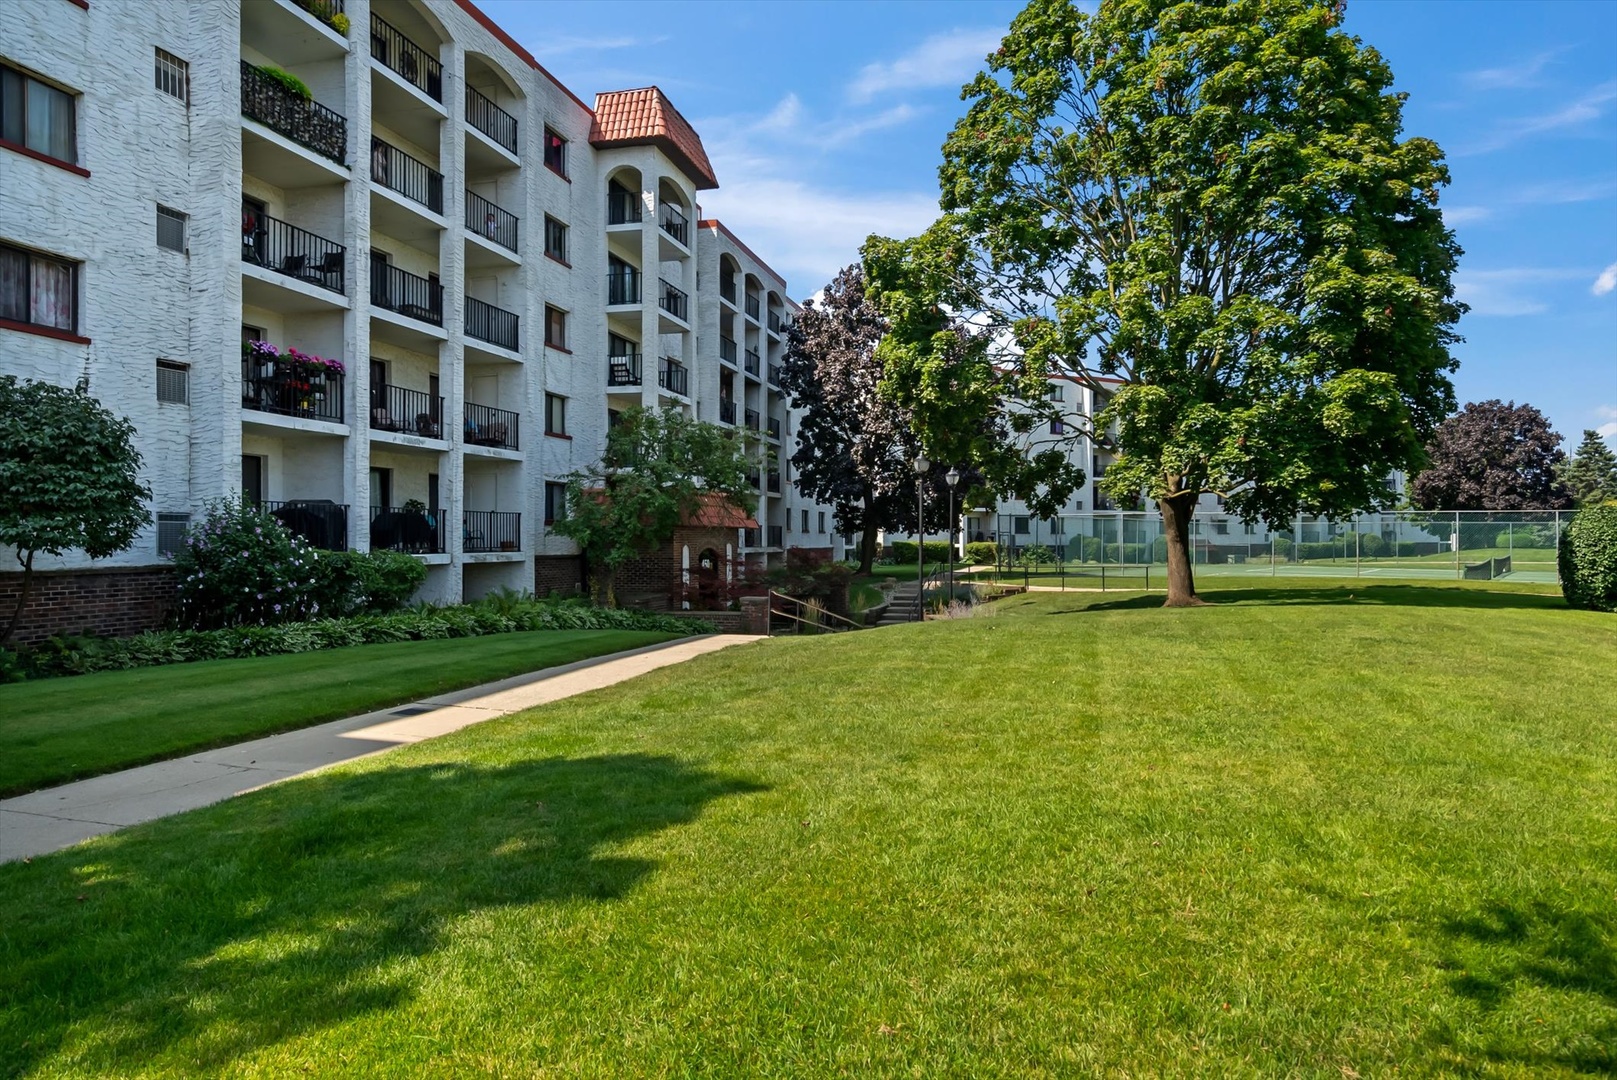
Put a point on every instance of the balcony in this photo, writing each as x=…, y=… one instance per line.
x=286, y=249
x=623, y=286
x=777, y=325
x=623, y=369
x=485, y=322
x=490, y=530
x=727, y=351
x=673, y=222
x=673, y=376
x=406, y=59
x=773, y=427
x=674, y=301
x=408, y=529
x=493, y=121
x=727, y=411
x=773, y=483
x=752, y=306
x=321, y=523
x=727, y=288
x=288, y=388
x=774, y=374
x=397, y=171
x=749, y=538
x=491, y=222
x=406, y=412
x=307, y=123
x=488, y=426
x=776, y=536
x=623, y=207
x=752, y=418
x=324, y=10
x=753, y=362
x=403, y=292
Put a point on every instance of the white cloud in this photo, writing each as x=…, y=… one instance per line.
x=1591, y=106
x=1606, y=282
x=1608, y=413
x=1512, y=76
x=1465, y=215
x=1508, y=292
x=565, y=44
x=841, y=133
x=941, y=60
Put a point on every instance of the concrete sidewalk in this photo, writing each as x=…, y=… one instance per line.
x=49, y=820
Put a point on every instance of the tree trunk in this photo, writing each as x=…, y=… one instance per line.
x=1176, y=512
x=22, y=597
x=867, y=537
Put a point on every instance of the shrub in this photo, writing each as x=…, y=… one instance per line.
x=366, y=582
x=1371, y=546
x=1588, y=559
x=982, y=551
x=1283, y=546
x=1035, y=555
x=904, y=551
x=1092, y=549
x=239, y=566
x=291, y=82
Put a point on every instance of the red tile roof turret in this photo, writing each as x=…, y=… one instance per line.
x=646, y=117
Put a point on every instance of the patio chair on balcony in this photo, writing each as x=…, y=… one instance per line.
x=330, y=268
x=427, y=427
x=295, y=265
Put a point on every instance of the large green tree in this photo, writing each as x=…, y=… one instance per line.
x=1591, y=474
x=657, y=470
x=1213, y=204
x=69, y=478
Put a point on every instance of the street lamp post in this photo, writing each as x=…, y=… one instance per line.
x=953, y=477
x=922, y=466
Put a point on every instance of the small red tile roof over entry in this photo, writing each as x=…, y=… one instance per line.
x=718, y=512
x=646, y=117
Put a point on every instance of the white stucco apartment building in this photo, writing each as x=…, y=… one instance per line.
x=189, y=191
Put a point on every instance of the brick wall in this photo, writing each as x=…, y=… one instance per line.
x=649, y=581
x=112, y=602
x=753, y=618
x=558, y=573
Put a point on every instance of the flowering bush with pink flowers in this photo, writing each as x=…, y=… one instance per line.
x=239, y=566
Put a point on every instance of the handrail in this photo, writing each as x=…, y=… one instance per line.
x=797, y=618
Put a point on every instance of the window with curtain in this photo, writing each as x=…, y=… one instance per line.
x=38, y=116
x=38, y=289
x=555, y=414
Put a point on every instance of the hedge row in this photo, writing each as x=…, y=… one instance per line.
x=83, y=655
x=904, y=551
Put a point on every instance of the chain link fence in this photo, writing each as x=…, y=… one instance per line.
x=1125, y=546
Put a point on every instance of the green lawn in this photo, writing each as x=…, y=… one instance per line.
x=54, y=730
x=1312, y=831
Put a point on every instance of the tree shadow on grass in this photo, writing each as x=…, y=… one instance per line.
x=1493, y=955
x=296, y=908
x=1424, y=596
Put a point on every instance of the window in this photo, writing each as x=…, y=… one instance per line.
x=555, y=503
x=822, y=521
x=1058, y=526
x=1058, y=392
x=1221, y=527
x=173, y=383
x=1021, y=526
x=170, y=229
x=38, y=117
x=1058, y=426
x=555, y=239
x=555, y=152
x=555, y=327
x=805, y=521
x=171, y=532
x=555, y=414
x=38, y=289
x=173, y=76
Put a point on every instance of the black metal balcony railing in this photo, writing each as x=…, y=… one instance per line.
x=752, y=305
x=773, y=371
x=751, y=418
x=485, y=322
x=772, y=425
x=491, y=120
x=403, y=292
x=491, y=222
x=674, y=223
x=727, y=288
x=407, y=529
x=623, y=208
x=774, y=482
x=752, y=362
x=776, y=536
x=321, y=523
x=288, y=388
x=398, y=171
x=419, y=68
x=727, y=350
x=674, y=301
x=673, y=376
x=777, y=325
x=623, y=369
x=490, y=530
x=409, y=412
x=488, y=426
x=287, y=249
x=623, y=286
x=749, y=538
x=727, y=411
x=307, y=123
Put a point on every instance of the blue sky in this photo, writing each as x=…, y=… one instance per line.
x=824, y=122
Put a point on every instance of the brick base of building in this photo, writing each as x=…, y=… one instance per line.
x=113, y=602
x=558, y=574
x=753, y=618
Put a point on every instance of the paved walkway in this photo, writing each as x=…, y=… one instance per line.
x=49, y=820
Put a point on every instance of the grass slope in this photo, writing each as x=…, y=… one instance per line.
x=54, y=730
x=1295, y=834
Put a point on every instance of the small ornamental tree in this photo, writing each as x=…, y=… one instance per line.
x=1492, y=455
x=239, y=566
x=69, y=478
x=1210, y=209
x=1588, y=558
x=656, y=472
x=1591, y=475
